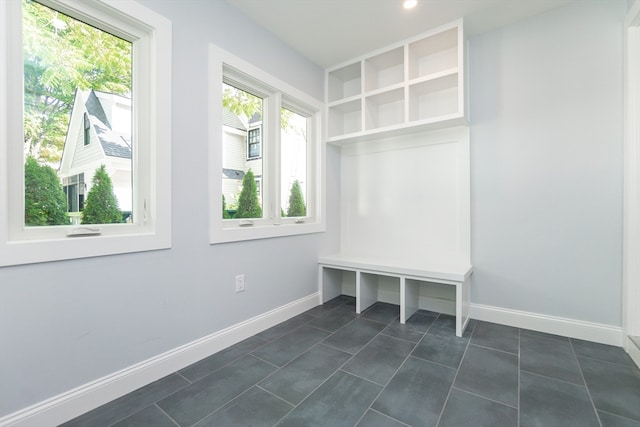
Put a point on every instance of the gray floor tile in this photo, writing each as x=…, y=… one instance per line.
x=413, y=330
x=216, y=361
x=289, y=346
x=498, y=337
x=549, y=357
x=131, y=403
x=330, y=305
x=340, y=401
x=299, y=378
x=285, y=327
x=610, y=420
x=379, y=359
x=467, y=410
x=548, y=402
x=445, y=326
x=376, y=419
x=150, y=416
x=614, y=388
x=537, y=334
x=201, y=398
x=490, y=373
x=355, y=335
x=607, y=353
x=444, y=350
x=417, y=393
x=255, y=408
x=335, y=319
x=382, y=312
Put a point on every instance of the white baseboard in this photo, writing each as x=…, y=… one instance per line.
x=73, y=403
x=579, y=329
x=633, y=351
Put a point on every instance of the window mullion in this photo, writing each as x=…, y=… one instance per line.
x=271, y=179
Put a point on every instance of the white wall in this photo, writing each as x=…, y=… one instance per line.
x=63, y=324
x=546, y=159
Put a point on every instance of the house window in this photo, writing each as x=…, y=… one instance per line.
x=253, y=143
x=82, y=62
x=283, y=140
x=87, y=129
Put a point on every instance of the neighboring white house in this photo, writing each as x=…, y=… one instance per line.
x=99, y=134
x=242, y=150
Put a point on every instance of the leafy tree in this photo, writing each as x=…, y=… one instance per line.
x=248, y=202
x=101, y=206
x=296, y=201
x=225, y=214
x=44, y=199
x=62, y=54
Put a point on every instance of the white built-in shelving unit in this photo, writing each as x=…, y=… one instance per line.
x=398, y=115
x=411, y=86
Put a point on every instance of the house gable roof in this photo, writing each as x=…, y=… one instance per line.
x=114, y=144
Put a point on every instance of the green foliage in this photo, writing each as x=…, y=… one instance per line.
x=297, y=206
x=44, y=199
x=102, y=205
x=62, y=54
x=225, y=214
x=248, y=202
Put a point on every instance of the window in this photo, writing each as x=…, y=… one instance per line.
x=281, y=130
x=253, y=141
x=94, y=117
x=87, y=129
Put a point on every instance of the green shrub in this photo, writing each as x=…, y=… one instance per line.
x=225, y=214
x=296, y=201
x=248, y=202
x=101, y=206
x=44, y=200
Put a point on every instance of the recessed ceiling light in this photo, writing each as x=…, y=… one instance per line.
x=409, y=4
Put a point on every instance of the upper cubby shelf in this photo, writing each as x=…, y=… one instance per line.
x=414, y=85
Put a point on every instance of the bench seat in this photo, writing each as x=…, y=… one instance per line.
x=409, y=276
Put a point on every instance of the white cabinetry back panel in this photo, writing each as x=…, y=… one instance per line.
x=407, y=198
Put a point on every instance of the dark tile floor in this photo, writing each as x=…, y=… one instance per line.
x=331, y=367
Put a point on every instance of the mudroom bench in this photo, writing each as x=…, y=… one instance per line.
x=411, y=277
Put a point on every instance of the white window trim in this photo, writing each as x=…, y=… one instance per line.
x=151, y=35
x=272, y=224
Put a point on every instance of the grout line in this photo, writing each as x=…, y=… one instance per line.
x=384, y=415
x=586, y=386
x=167, y=415
x=497, y=349
x=273, y=394
x=485, y=398
x=455, y=377
x=184, y=378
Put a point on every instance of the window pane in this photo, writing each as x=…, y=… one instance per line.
x=77, y=121
x=293, y=164
x=242, y=146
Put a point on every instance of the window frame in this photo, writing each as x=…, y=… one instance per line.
x=150, y=34
x=224, y=66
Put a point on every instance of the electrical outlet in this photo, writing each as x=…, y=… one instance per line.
x=240, y=283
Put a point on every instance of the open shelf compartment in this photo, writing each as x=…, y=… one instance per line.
x=434, y=98
x=345, y=82
x=384, y=109
x=384, y=70
x=433, y=54
x=345, y=118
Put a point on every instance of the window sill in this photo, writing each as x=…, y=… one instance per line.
x=239, y=233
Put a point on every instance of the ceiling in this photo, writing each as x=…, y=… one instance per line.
x=330, y=32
